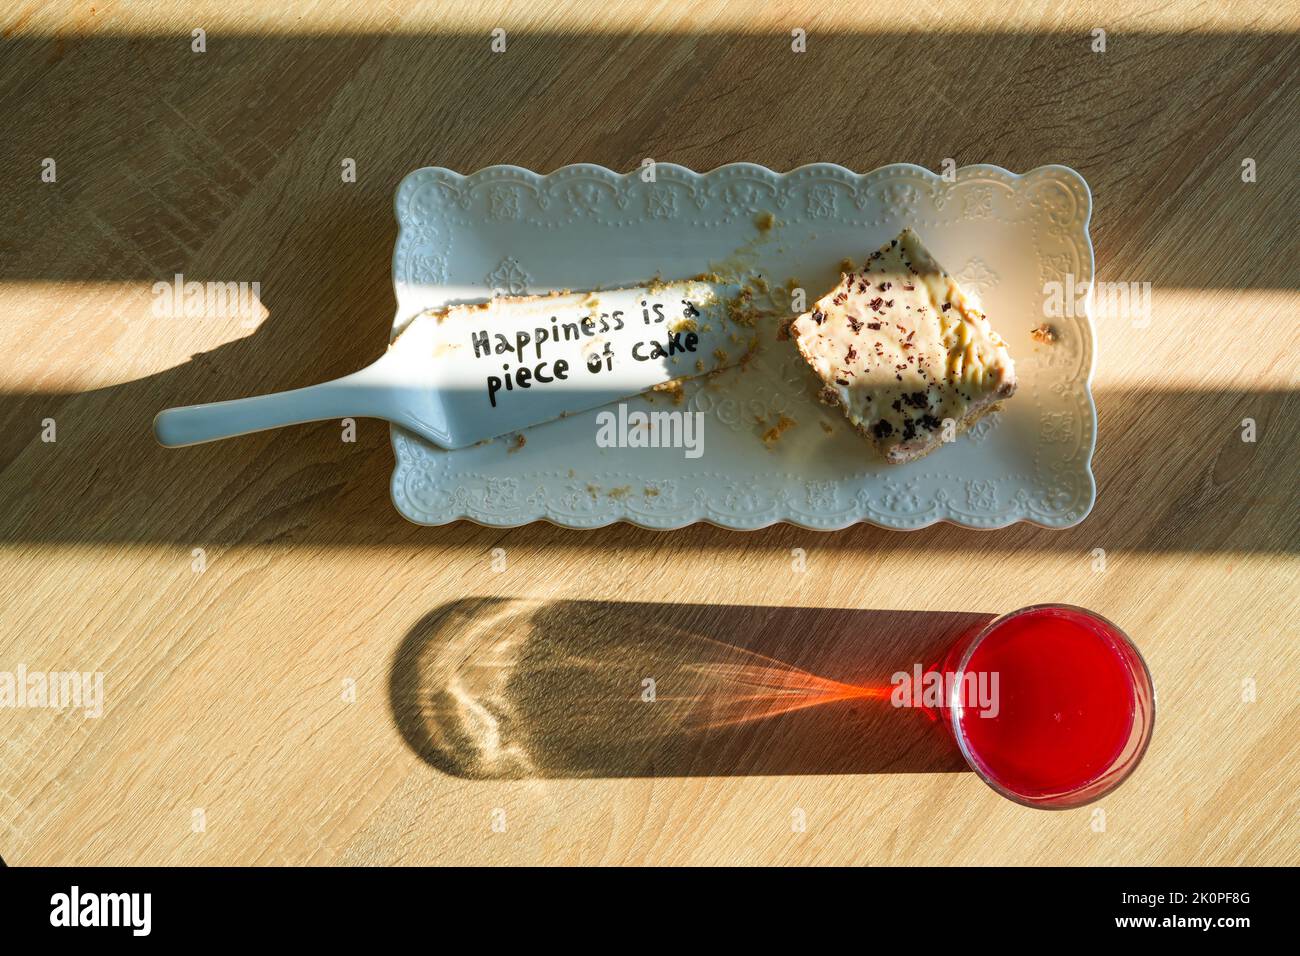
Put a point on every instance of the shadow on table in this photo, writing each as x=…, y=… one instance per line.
x=177, y=167
x=227, y=165
x=491, y=688
x=1194, y=488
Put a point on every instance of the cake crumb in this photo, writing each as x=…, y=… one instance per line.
x=673, y=388
x=741, y=308
x=773, y=434
x=764, y=221
x=520, y=441
x=619, y=493
x=827, y=427
x=1044, y=334
x=651, y=492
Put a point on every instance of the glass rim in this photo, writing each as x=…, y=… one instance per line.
x=955, y=710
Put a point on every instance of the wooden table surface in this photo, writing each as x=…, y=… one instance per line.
x=293, y=674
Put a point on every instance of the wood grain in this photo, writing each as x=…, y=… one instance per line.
x=226, y=690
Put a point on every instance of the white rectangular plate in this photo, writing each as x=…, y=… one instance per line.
x=1003, y=236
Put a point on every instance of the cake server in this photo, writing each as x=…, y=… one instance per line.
x=467, y=373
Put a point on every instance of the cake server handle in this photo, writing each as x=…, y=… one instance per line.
x=368, y=393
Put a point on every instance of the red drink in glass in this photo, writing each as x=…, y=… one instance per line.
x=1073, y=705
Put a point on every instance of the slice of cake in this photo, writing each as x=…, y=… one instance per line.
x=901, y=349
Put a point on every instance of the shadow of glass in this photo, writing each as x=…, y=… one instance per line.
x=489, y=688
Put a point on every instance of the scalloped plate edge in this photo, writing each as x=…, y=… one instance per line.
x=410, y=179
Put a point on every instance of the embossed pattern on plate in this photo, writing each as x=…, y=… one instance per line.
x=1003, y=235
